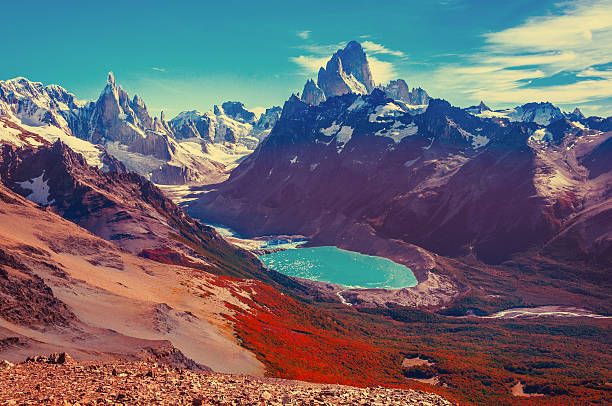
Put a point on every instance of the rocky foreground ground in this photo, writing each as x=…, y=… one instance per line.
x=58, y=380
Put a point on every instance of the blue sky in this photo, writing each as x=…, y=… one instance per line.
x=190, y=55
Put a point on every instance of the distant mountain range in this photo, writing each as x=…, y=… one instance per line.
x=196, y=147
x=192, y=148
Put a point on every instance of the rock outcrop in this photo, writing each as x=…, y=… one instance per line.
x=399, y=90
x=312, y=94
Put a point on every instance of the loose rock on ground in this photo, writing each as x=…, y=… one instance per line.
x=58, y=380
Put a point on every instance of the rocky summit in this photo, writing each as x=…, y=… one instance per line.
x=43, y=380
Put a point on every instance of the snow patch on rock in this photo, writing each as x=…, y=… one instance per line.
x=331, y=130
x=399, y=131
x=357, y=104
x=11, y=135
x=479, y=141
x=386, y=111
x=93, y=154
x=142, y=164
x=344, y=136
x=541, y=135
x=39, y=190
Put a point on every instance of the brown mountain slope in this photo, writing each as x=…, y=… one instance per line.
x=121, y=207
x=64, y=289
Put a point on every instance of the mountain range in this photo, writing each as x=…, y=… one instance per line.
x=454, y=181
x=492, y=210
x=192, y=148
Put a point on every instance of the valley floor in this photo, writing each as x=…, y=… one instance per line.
x=149, y=383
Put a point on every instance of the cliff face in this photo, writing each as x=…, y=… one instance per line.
x=312, y=94
x=347, y=71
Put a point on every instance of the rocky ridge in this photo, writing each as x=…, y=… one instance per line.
x=42, y=382
x=119, y=206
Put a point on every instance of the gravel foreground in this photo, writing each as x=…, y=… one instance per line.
x=57, y=380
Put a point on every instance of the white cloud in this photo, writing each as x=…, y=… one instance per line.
x=374, y=48
x=304, y=34
x=320, y=50
x=159, y=69
x=382, y=71
x=257, y=110
x=573, y=28
x=570, y=43
x=310, y=64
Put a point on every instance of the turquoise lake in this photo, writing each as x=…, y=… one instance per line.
x=346, y=268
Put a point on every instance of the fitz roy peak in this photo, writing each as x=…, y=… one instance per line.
x=348, y=71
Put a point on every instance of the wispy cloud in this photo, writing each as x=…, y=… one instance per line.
x=374, y=48
x=511, y=67
x=322, y=49
x=159, y=69
x=304, y=34
x=309, y=64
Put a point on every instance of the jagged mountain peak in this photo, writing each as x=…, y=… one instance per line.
x=355, y=62
x=238, y=111
x=293, y=107
x=137, y=100
x=399, y=90
x=312, y=94
x=347, y=71
x=110, y=80
x=353, y=44
x=478, y=109
x=542, y=113
x=123, y=125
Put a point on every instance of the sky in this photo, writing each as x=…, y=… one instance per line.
x=186, y=55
